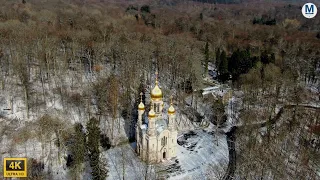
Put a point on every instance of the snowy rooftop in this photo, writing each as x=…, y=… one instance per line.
x=161, y=125
x=143, y=126
x=216, y=90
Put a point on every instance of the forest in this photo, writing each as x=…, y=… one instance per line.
x=94, y=57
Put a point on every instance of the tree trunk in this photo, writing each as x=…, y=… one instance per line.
x=26, y=100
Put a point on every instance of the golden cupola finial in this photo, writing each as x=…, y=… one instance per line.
x=171, y=109
x=151, y=114
x=156, y=92
x=141, y=105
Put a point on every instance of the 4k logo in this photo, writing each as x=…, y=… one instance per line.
x=15, y=167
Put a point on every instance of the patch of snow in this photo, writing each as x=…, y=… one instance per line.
x=143, y=126
x=193, y=159
x=122, y=161
x=195, y=154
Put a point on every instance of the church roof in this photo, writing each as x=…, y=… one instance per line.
x=161, y=125
x=143, y=126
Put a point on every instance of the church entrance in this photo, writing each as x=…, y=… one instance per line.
x=164, y=155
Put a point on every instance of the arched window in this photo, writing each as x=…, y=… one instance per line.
x=164, y=141
x=156, y=107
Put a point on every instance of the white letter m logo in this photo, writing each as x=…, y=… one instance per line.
x=309, y=10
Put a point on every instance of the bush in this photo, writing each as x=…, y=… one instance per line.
x=105, y=141
x=264, y=21
x=35, y=169
x=131, y=7
x=145, y=8
x=69, y=160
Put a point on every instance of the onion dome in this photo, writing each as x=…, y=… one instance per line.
x=141, y=105
x=171, y=109
x=151, y=114
x=156, y=92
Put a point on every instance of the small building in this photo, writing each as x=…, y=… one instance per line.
x=219, y=92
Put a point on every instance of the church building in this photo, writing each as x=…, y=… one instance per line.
x=156, y=134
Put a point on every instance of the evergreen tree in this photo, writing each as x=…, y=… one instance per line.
x=78, y=148
x=145, y=9
x=272, y=58
x=240, y=63
x=218, y=53
x=266, y=58
x=98, y=171
x=223, y=67
x=318, y=35
x=233, y=63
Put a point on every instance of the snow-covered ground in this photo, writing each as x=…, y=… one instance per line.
x=200, y=155
x=32, y=149
x=197, y=153
x=122, y=161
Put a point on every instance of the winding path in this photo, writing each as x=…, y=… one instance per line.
x=231, y=137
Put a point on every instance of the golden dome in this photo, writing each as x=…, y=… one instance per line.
x=171, y=110
x=156, y=92
x=151, y=114
x=141, y=106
